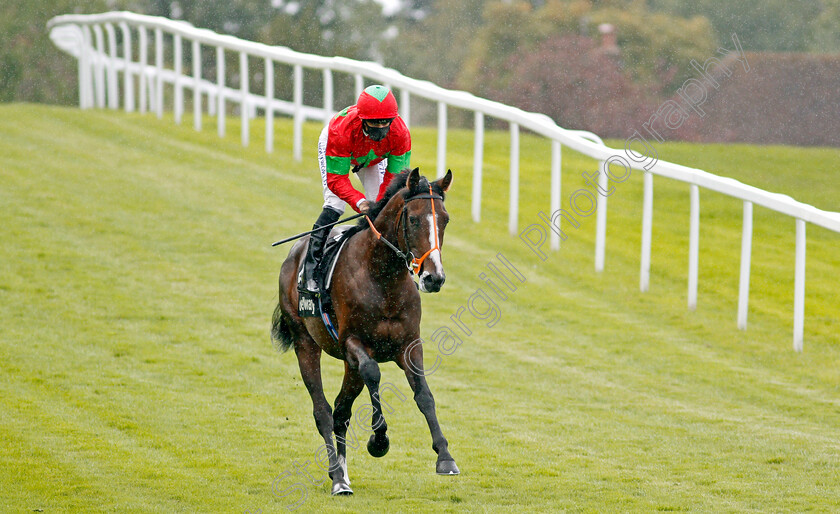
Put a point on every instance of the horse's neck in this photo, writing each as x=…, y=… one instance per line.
x=384, y=261
x=386, y=221
x=383, y=264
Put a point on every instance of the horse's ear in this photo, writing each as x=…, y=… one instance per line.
x=445, y=182
x=413, y=179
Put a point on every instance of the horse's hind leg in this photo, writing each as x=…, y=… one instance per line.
x=368, y=369
x=309, y=360
x=350, y=389
x=411, y=361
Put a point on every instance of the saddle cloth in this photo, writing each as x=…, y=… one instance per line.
x=318, y=306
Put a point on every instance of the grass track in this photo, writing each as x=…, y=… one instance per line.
x=137, y=283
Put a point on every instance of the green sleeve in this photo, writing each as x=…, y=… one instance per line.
x=397, y=163
x=338, y=165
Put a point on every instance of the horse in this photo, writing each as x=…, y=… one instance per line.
x=376, y=305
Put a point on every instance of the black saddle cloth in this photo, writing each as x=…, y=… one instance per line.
x=323, y=273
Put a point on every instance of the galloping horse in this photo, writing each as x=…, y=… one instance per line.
x=376, y=306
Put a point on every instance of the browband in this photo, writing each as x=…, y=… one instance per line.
x=424, y=196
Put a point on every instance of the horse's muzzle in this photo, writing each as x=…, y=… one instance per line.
x=431, y=282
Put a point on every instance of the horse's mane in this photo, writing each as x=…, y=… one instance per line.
x=394, y=187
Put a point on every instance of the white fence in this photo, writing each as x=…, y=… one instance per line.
x=84, y=36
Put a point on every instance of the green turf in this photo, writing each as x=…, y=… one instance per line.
x=137, y=284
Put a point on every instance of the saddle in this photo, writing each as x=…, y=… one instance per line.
x=311, y=306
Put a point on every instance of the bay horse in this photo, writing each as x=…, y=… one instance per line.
x=376, y=307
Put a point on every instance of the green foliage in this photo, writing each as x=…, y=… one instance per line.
x=567, y=17
x=31, y=67
x=240, y=18
x=435, y=46
x=826, y=36
x=658, y=48
x=761, y=25
x=597, y=95
x=348, y=28
x=507, y=29
x=467, y=44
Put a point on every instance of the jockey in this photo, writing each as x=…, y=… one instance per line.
x=368, y=138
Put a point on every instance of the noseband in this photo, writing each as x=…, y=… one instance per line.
x=411, y=262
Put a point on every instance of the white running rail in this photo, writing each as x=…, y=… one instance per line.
x=103, y=52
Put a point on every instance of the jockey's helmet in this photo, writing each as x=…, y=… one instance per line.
x=377, y=103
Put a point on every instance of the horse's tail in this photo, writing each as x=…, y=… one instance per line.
x=281, y=332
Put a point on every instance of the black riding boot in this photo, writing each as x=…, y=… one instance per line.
x=315, y=251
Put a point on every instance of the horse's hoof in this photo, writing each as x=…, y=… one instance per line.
x=378, y=446
x=447, y=467
x=341, y=489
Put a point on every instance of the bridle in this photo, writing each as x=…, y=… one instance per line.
x=411, y=262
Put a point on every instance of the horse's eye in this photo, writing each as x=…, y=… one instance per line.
x=414, y=220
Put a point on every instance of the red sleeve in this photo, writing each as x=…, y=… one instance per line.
x=382, y=187
x=341, y=186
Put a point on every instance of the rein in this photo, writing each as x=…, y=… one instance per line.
x=411, y=262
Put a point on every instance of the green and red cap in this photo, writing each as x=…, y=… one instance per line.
x=377, y=103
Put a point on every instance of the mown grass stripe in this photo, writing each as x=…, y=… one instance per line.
x=137, y=283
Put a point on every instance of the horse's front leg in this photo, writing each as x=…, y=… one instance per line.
x=358, y=359
x=411, y=361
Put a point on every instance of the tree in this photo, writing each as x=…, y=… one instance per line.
x=32, y=69
x=571, y=79
x=762, y=25
x=433, y=39
x=508, y=29
x=656, y=49
x=826, y=36
x=348, y=28
x=240, y=18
